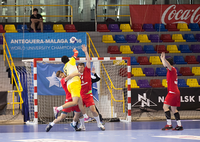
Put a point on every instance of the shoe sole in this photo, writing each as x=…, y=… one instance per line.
x=55, y=113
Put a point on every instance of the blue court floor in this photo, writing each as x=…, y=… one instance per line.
x=115, y=132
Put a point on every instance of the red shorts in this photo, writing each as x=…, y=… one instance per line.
x=74, y=108
x=173, y=99
x=88, y=100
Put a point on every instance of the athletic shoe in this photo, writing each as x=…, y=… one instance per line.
x=178, y=128
x=102, y=123
x=101, y=127
x=88, y=119
x=167, y=127
x=81, y=128
x=55, y=111
x=48, y=128
x=74, y=127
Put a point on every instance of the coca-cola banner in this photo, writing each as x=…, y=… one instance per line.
x=151, y=14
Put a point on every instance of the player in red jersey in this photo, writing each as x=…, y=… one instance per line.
x=173, y=97
x=76, y=109
x=86, y=88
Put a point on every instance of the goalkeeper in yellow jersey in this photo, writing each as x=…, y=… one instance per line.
x=73, y=85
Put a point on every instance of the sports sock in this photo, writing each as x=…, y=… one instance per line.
x=82, y=121
x=177, y=117
x=52, y=123
x=74, y=123
x=85, y=115
x=97, y=119
x=168, y=116
x=59, y=108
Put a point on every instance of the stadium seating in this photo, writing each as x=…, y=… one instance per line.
x=149, y=71
x=10, y=28
x=178, y=73
x=143, y=83
x=195, y=48
x=182, y=83
x=196, y=71
x=137, y=72
x=173, y=49
x=154, y=38
x=166, y=38
x=134, y=61
x=120, y=39
x=1, y=29
x=183, y=27
x=137, y=49
x=108, y=39
x=178, y=38
x=119, y=62
x=161, y=71
x=143, y=60
x=192, y=82
x=70, y=28
x=1, y=40
x=184, y=49
x=131, y=39
x=102, y=28
x=194, y=27
x=123, y=72
x=125, y=49
x=198, y=58
x=143, y=38
x=113, y=50
x=161, y=48
x=185, y=71
x=164, y=83
x=191, y=59
x=114, y=28
x=171, y=27
x=155, y=83
x=47, y=28
x=189, y=38
x=160, y=28
x=133, y=84
x=58, y=28
x=148, y=28
x=179, y=60
x=155, y=60
x=197, y=37
x=137, y=27
x=22, y=28
x=125, y=28
x=149, y=49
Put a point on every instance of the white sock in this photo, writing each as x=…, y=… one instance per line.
x=169, y=122
x=179, y=122
x=52, y=123
x=74, y=123
x=97, y=119
x=82, y=121
x=60, y=108
x=85, y=115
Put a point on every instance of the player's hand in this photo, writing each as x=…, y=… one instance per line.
x=93, y=70
x=163, y=55
x=84, y=48
x=75, y=51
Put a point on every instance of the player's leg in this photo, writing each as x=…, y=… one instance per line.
x=60, y=118
x=168, y=117
x=177, y=117
x=40, y=26
x=33, y=26
x=78, y=115
x=100, y=116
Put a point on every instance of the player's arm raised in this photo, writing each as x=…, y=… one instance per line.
x=71, y=76
x=75, y=53
x=165, y=62
x=88, y=63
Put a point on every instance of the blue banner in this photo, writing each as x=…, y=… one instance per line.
x=45, y=45
x=47, y=82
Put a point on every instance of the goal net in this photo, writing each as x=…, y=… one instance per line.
x=109, y=97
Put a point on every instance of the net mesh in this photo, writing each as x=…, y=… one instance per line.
x=107, y=71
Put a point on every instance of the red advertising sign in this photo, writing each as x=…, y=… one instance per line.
x=151, y=14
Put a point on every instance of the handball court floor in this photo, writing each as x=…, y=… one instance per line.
x=115, y=132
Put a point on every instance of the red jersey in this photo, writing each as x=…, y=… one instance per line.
x=64, y=85
x=172, y=80
x=86, y=84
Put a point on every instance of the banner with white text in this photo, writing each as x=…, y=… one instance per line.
x=152, y=14
x=45, y=45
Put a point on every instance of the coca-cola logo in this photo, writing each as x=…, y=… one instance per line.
x=172, y=15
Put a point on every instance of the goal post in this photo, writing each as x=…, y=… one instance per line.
x=108, y=88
